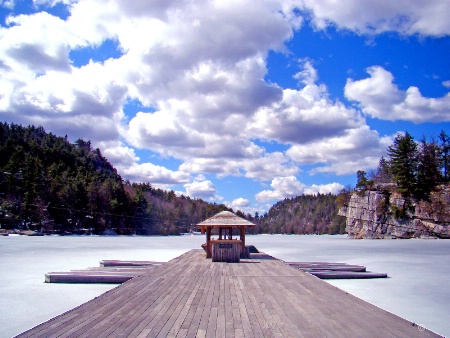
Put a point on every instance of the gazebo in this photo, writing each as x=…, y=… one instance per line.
x=225, y=248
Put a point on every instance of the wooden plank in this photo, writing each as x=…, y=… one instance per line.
x=200, y=322
x=244, y=312
x=228, y=307
x=214, y=307
x=220, y=328
x=108, y=263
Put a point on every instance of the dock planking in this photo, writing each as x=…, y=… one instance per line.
x=191, y=296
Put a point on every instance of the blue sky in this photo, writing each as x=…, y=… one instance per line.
x=237, y=102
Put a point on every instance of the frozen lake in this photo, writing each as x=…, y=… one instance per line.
x=418, y=288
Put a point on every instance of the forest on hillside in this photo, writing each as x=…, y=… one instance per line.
x=304, y=214
x=49, y=185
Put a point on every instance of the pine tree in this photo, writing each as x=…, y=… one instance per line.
x=362, y=182
x=445, y=155
x=428, y=173
x=403, y=163
x=382, y=174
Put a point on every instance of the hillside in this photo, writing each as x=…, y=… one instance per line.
x=306, y=214
x=50, y=185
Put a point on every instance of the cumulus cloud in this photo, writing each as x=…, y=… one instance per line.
x=331, y=188
x=157, y=175
x=263, y=167
x=282, y=187
x=240, y=203
x=120, y=155
x=406, y=17
x=379, y=97
x=202, y=189
x=245, y=206
x=303, y=115
x=318, y=130
x=172, y=55
x=356, y=149
x=290, y=186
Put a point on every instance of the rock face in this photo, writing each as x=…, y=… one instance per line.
x=384, y=214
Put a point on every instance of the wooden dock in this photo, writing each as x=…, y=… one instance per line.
x=191, y=296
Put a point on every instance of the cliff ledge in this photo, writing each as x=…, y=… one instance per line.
x=385, y=214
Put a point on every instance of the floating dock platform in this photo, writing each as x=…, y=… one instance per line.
x=325, y=270
x=191, y=296
x=109, y=272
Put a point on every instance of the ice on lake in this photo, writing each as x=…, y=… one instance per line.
x=417, y=288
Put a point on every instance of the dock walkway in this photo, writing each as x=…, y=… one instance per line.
x=191, y=296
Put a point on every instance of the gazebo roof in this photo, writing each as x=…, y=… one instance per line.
x=225, y=219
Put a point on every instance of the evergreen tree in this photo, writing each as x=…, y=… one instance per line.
x=382, y=174
x=362, y=182
x=445, y=155
x=403, y=163
x=428, y=173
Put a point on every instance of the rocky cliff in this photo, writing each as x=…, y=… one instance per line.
x=386, y=214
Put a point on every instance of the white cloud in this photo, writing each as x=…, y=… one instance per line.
x=7, y=4
x=379, y=97
x=408, y=17
x=320, y=132
x=37, y=43
x=282, y=187
x=245, y=206
x=307, y=76
x=287, y=187
x=40, y=86
x=268, y=166
x=356, y=149
x=303, y=115
x=240, y=203
x=121, y=156
x=202, y=189
x=331, y=188
x=262, y=167
x=446, y=83
x=156, y=175
x=52, y=3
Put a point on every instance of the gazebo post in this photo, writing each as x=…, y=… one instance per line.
x=208, y=243
x=242, y=237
